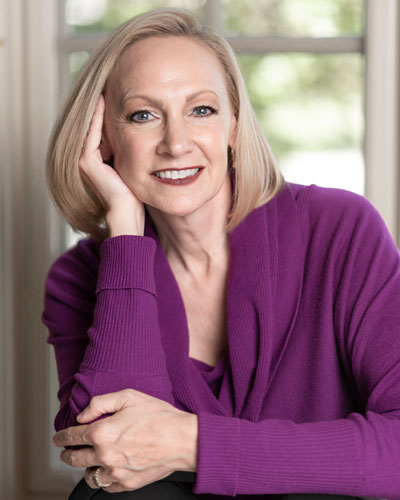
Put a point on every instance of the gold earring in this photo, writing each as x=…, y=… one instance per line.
x=231, y=157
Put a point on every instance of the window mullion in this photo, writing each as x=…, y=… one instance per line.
x=382, y=110
x=272, y=43
x=247, y=44
x=214, y=18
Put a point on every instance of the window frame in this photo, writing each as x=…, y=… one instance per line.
x=379, y=45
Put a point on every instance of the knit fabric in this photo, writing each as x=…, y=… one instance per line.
x=309, y=393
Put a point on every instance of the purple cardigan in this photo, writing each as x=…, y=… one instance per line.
x=309, y=399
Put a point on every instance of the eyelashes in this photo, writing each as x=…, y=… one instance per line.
x=137, y=116
x=209, y=108
x=141, y=112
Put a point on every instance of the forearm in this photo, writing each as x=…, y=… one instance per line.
x=124, y=348
x=355, y=456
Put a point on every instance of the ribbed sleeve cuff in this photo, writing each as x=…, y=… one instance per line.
x=239, y=457
x=127, y=261
x=218, y=454
x=280, y=456
x=125, y=334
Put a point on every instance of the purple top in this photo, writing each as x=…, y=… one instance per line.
x=309, y=392
x=211, y=374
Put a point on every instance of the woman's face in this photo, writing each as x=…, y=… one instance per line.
x=168, y=110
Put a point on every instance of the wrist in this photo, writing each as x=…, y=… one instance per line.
x=125, y=222
x=188, y=427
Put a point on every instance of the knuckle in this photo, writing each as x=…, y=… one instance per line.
x=109, y=432
x=117, y=473
x=97, y=435
x=94, y=400
x=64, y=457
x=68, y=435
x=105, y=457
x=129, y=484
x=128, y=393
x=74, y=461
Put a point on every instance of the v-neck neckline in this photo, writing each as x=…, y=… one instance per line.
x=258, y=324
x=209, y=368
x=174, y=328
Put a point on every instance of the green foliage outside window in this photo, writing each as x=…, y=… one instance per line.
x=303, y=101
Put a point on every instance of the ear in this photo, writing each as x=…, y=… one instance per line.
x=105, y=147
x=233, y=132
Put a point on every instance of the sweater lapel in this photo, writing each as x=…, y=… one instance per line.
x=263, y=294
x=191, y=391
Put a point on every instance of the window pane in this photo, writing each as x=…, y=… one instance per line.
x=319, y=18
x=311, y=110
x=86, y=16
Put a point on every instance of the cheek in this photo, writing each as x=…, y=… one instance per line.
x=131, y=150
x=215, y=141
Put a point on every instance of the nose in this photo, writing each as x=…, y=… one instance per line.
x=175, y=139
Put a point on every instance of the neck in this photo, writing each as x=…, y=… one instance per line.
x=196, y=243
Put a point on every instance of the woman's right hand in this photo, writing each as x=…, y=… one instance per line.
x=125, y=214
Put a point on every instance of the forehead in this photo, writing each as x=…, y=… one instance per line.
x=158, y=62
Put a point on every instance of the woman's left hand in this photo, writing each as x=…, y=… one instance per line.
x=145, y=440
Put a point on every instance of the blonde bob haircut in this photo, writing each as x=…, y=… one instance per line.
x=257, y=178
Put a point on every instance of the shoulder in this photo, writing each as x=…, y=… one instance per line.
x=75, y=270
x=324, y=198
x=332, y=219
x=332, y=207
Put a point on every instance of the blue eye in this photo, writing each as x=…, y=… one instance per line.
x=140, y=116
x=205, y=110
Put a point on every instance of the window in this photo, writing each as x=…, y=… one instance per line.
x=304, y=68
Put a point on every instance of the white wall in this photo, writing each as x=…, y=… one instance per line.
x=7, y=387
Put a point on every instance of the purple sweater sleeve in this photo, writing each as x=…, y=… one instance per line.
x=105, y=331
x=357, y=455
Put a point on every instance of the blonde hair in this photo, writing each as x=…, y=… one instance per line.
x=257, y=178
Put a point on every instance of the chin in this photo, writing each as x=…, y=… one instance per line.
x=177, y=209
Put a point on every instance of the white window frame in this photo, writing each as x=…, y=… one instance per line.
x=382, y=110
x=33, y=232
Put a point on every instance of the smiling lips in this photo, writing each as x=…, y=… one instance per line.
x=177, y=177
x=176, y=174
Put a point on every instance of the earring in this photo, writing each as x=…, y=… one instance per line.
x=231, y=157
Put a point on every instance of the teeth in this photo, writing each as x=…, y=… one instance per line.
x=177, y=174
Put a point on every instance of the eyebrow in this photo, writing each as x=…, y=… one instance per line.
x=157, y=102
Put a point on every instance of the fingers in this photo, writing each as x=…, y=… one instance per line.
x=93, y=138
x=79, y=458
x=103, y=179
x=102, y=477
x=116, y=486
x=99, y=405
x=106, y=403
x=72, y=436
x=105, y=479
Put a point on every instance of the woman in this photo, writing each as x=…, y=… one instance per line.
x=218, y=321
